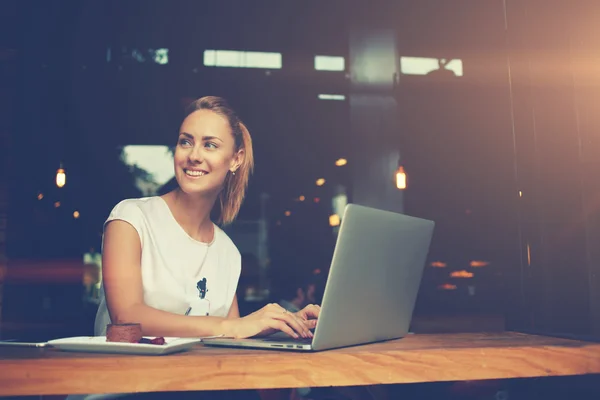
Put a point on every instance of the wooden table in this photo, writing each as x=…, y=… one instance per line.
x=416, y=358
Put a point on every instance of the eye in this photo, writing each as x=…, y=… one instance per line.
x=211, y=145
x=185, y=142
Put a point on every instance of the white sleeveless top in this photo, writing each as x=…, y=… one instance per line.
x=178, y=272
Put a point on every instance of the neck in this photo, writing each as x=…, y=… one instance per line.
x=192, y=213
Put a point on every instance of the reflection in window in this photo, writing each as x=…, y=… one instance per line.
x=160, y=56
x=137, y=55
x=157, y=56
x=330, y=63
x=426, y=66
x=340, y=97
x=242, y=59
x=151, y=166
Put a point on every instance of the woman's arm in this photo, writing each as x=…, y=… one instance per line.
x=122, y=280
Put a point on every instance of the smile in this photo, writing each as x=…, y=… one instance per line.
x=194, y=173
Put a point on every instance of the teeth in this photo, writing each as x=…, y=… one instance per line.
x=194, y=173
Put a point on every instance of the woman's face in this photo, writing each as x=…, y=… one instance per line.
x=205, y=153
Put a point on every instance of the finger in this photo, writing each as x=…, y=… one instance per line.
x=302, y=315
x=293, y=322
x=298, y=324
x=315, y=307
x=283, y=327
x=311, y=312
x=305, y=323
x=312, y=323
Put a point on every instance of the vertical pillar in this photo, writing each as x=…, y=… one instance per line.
x=373, y=113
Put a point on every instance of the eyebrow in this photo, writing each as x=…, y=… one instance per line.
x=212, y=138
x=205, y=138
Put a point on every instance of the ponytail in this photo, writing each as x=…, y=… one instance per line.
x=234, y=191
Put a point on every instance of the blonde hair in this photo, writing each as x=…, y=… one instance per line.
x=234, y=189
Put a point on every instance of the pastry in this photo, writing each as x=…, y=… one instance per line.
x=126, y=333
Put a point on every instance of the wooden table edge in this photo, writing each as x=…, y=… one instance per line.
x=262, y=369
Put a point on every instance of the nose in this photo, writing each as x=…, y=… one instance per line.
x=195, y=156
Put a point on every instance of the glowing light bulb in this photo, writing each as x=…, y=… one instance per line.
x=61, y=177
x=334, y=220
x=401, y=178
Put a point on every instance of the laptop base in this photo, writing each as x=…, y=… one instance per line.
x=266, y=343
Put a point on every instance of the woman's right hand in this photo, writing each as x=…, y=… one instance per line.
x=269, y=319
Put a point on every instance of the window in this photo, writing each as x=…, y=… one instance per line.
x=242, y=59
x=340, y=97
x=425, y=66
x=151, y=166
x=330, y=63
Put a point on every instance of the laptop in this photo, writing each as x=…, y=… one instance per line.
x=372, y=286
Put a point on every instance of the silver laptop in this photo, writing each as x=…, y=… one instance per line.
x=372, y=285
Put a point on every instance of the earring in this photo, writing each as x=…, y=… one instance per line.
x=233, y=173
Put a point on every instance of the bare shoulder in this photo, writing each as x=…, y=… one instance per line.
x=121, y=239
x=121, y=229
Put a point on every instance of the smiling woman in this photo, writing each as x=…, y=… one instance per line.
x=166, y=264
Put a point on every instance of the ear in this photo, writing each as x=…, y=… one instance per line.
x=237, y=160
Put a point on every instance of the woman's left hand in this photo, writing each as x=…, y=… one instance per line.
x=310, y=314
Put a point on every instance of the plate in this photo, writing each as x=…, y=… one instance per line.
x=98, y=344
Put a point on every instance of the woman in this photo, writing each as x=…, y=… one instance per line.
x=165, y=263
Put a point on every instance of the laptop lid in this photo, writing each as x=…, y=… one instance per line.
x=374, y=277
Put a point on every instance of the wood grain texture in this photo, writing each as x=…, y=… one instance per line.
x=416, y=358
